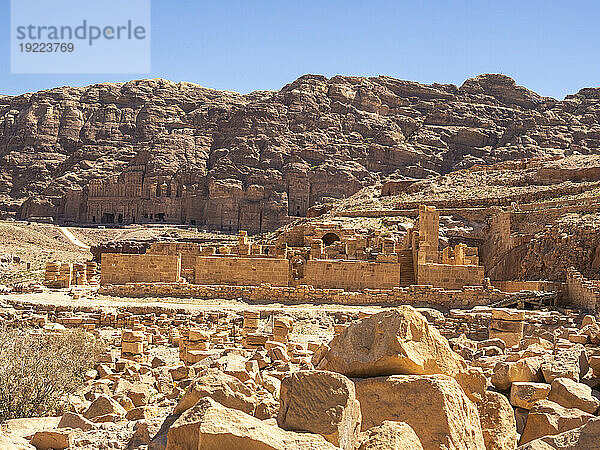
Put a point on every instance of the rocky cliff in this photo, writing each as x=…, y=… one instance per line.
x=336, y=135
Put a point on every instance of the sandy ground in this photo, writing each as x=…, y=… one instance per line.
x=312, y=323
x=62, y=298
x=75, y=241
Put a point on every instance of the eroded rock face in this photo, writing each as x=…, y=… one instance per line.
x=435, y=407
x=320, y=402
x=398, y=341
x=329, y=137
x=211, y=426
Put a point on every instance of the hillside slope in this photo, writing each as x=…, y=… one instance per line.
x=340, y=134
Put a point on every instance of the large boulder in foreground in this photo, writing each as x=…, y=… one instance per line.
x=225, y=389
x=320, y=402
x=498, y=422
x=586, y=437
x=547, y=418
x=435, y=406
x=211, y=426
x=390, y=436
x=393, y=342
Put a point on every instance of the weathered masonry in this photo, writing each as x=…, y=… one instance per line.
x=324, y=257
x=242, y=271
x=123, y=269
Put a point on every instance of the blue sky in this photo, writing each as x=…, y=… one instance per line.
x=551, y=47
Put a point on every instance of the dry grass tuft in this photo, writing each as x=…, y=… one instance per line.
x=38, y=370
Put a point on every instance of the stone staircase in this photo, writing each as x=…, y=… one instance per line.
x=407, y=269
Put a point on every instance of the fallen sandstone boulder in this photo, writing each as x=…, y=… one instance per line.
x=547, y=418
x=435, y=406
x=394, y=342
x=525, y=394
x=390, y=436
x=585, y=437
x=104, y=406
x=571, y=394
x=211, y=426
x=567, y=363
x=498, y=422
x=225, y=389
x=73, y=420
x=320, y=402
x=525, y=370
x=58, y=439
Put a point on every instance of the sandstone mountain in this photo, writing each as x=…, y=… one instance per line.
x=338, y=134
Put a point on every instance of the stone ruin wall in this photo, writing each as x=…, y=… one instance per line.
x=123, y=268
x=450, y=268
x=242, y=271
x=351, y=275
x=188, y=251
x=582, y=292
x=251, y=271
x=335, y=258
x=426, y=296
x=450, y=277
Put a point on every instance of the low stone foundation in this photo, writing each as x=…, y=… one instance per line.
x=416, y=295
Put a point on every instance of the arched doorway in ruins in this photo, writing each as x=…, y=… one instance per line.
x=330, y=238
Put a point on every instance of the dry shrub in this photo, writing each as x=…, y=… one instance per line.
x=38, y=370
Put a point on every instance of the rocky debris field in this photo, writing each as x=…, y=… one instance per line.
x=292, y=378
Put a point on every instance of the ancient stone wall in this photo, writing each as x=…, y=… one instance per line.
x=581, y=292
x=351, y=275
x=450, y=277
x=187, y=250
x=147, y=268
x=242, y=271
x=413, y=295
